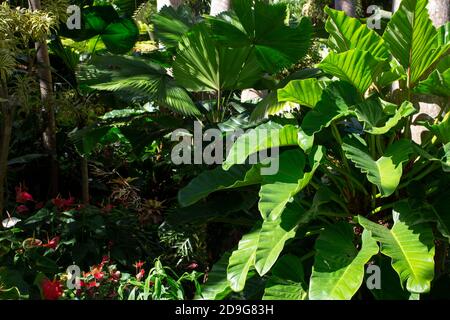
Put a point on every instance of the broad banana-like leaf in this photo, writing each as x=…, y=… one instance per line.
x=381, y=116
x=348, y=33
x=265, y=136
x=217, y=287
x=441, y=129
x=203, y=65
x=338, y=270
x=287, y=281
x=335, y=103
x=385, y=172
x=243, y=259
x=271, y=106
x=262, y=26
x=275, y=233
x=218, y=179
x=409, y=245
x=436, y=84
x=414, y=41
x=355, y=66
x=278, y=189
x=306, y=92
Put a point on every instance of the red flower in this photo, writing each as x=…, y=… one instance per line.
x=51, y=290
x=22, y=209
x=98, y=275
x=105, y=259
x=53, y=243
x=63, y=204
x=22, y=196
x=115, y=276
x=140, y=274
x=93, y=284
x=139, y=264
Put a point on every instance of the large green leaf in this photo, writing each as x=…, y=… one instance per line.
x=338, y=270
x=218, y=179
x=119, y=34
x=265, y=136
x=203, y=65
x=414, y=41
x=275, y=233
x=410, y=246
x=262, y=26
x=436, y=84
x=270, y=104
x=355, y=66
x=348, y=33
x=440, y=206
x=217, y=287
x=242, y=260
x=277, y=190
x=139, y=77
x=335, y=103
x=385, y=172
x=287, y=281
x=381, y=116
x=172, y=23
x=306, y=92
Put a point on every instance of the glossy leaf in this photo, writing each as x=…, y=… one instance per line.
x=275, y=233
x=413, y=40
x=348, y=33
x=265, y=136
x=278, y=189
x=385, y=172
x=338, y=270
x=410, y=246
x=242, y=260
x=306, y=92
x=355, y=66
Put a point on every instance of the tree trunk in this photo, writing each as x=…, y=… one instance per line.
x=219, y=6
x=46, y=86
x=5, y=138
x=439, y=11
x=348, y=6
x=85, y=180
x=169, y=3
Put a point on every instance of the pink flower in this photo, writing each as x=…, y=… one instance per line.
x=22, y=209
x=140, y=274
x=139, y=264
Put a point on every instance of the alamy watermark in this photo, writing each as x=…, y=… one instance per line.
x=212, y=147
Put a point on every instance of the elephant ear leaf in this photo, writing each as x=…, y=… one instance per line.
x=277, y=190
x=275, y=233
x=414, y=41
x=436, y=84
x=306, y=92
x=242, y=260
x=409, y=244
x=385, y=172
x=338, y=270
x=287, y=280
x=355, y=66
x=349, y=33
